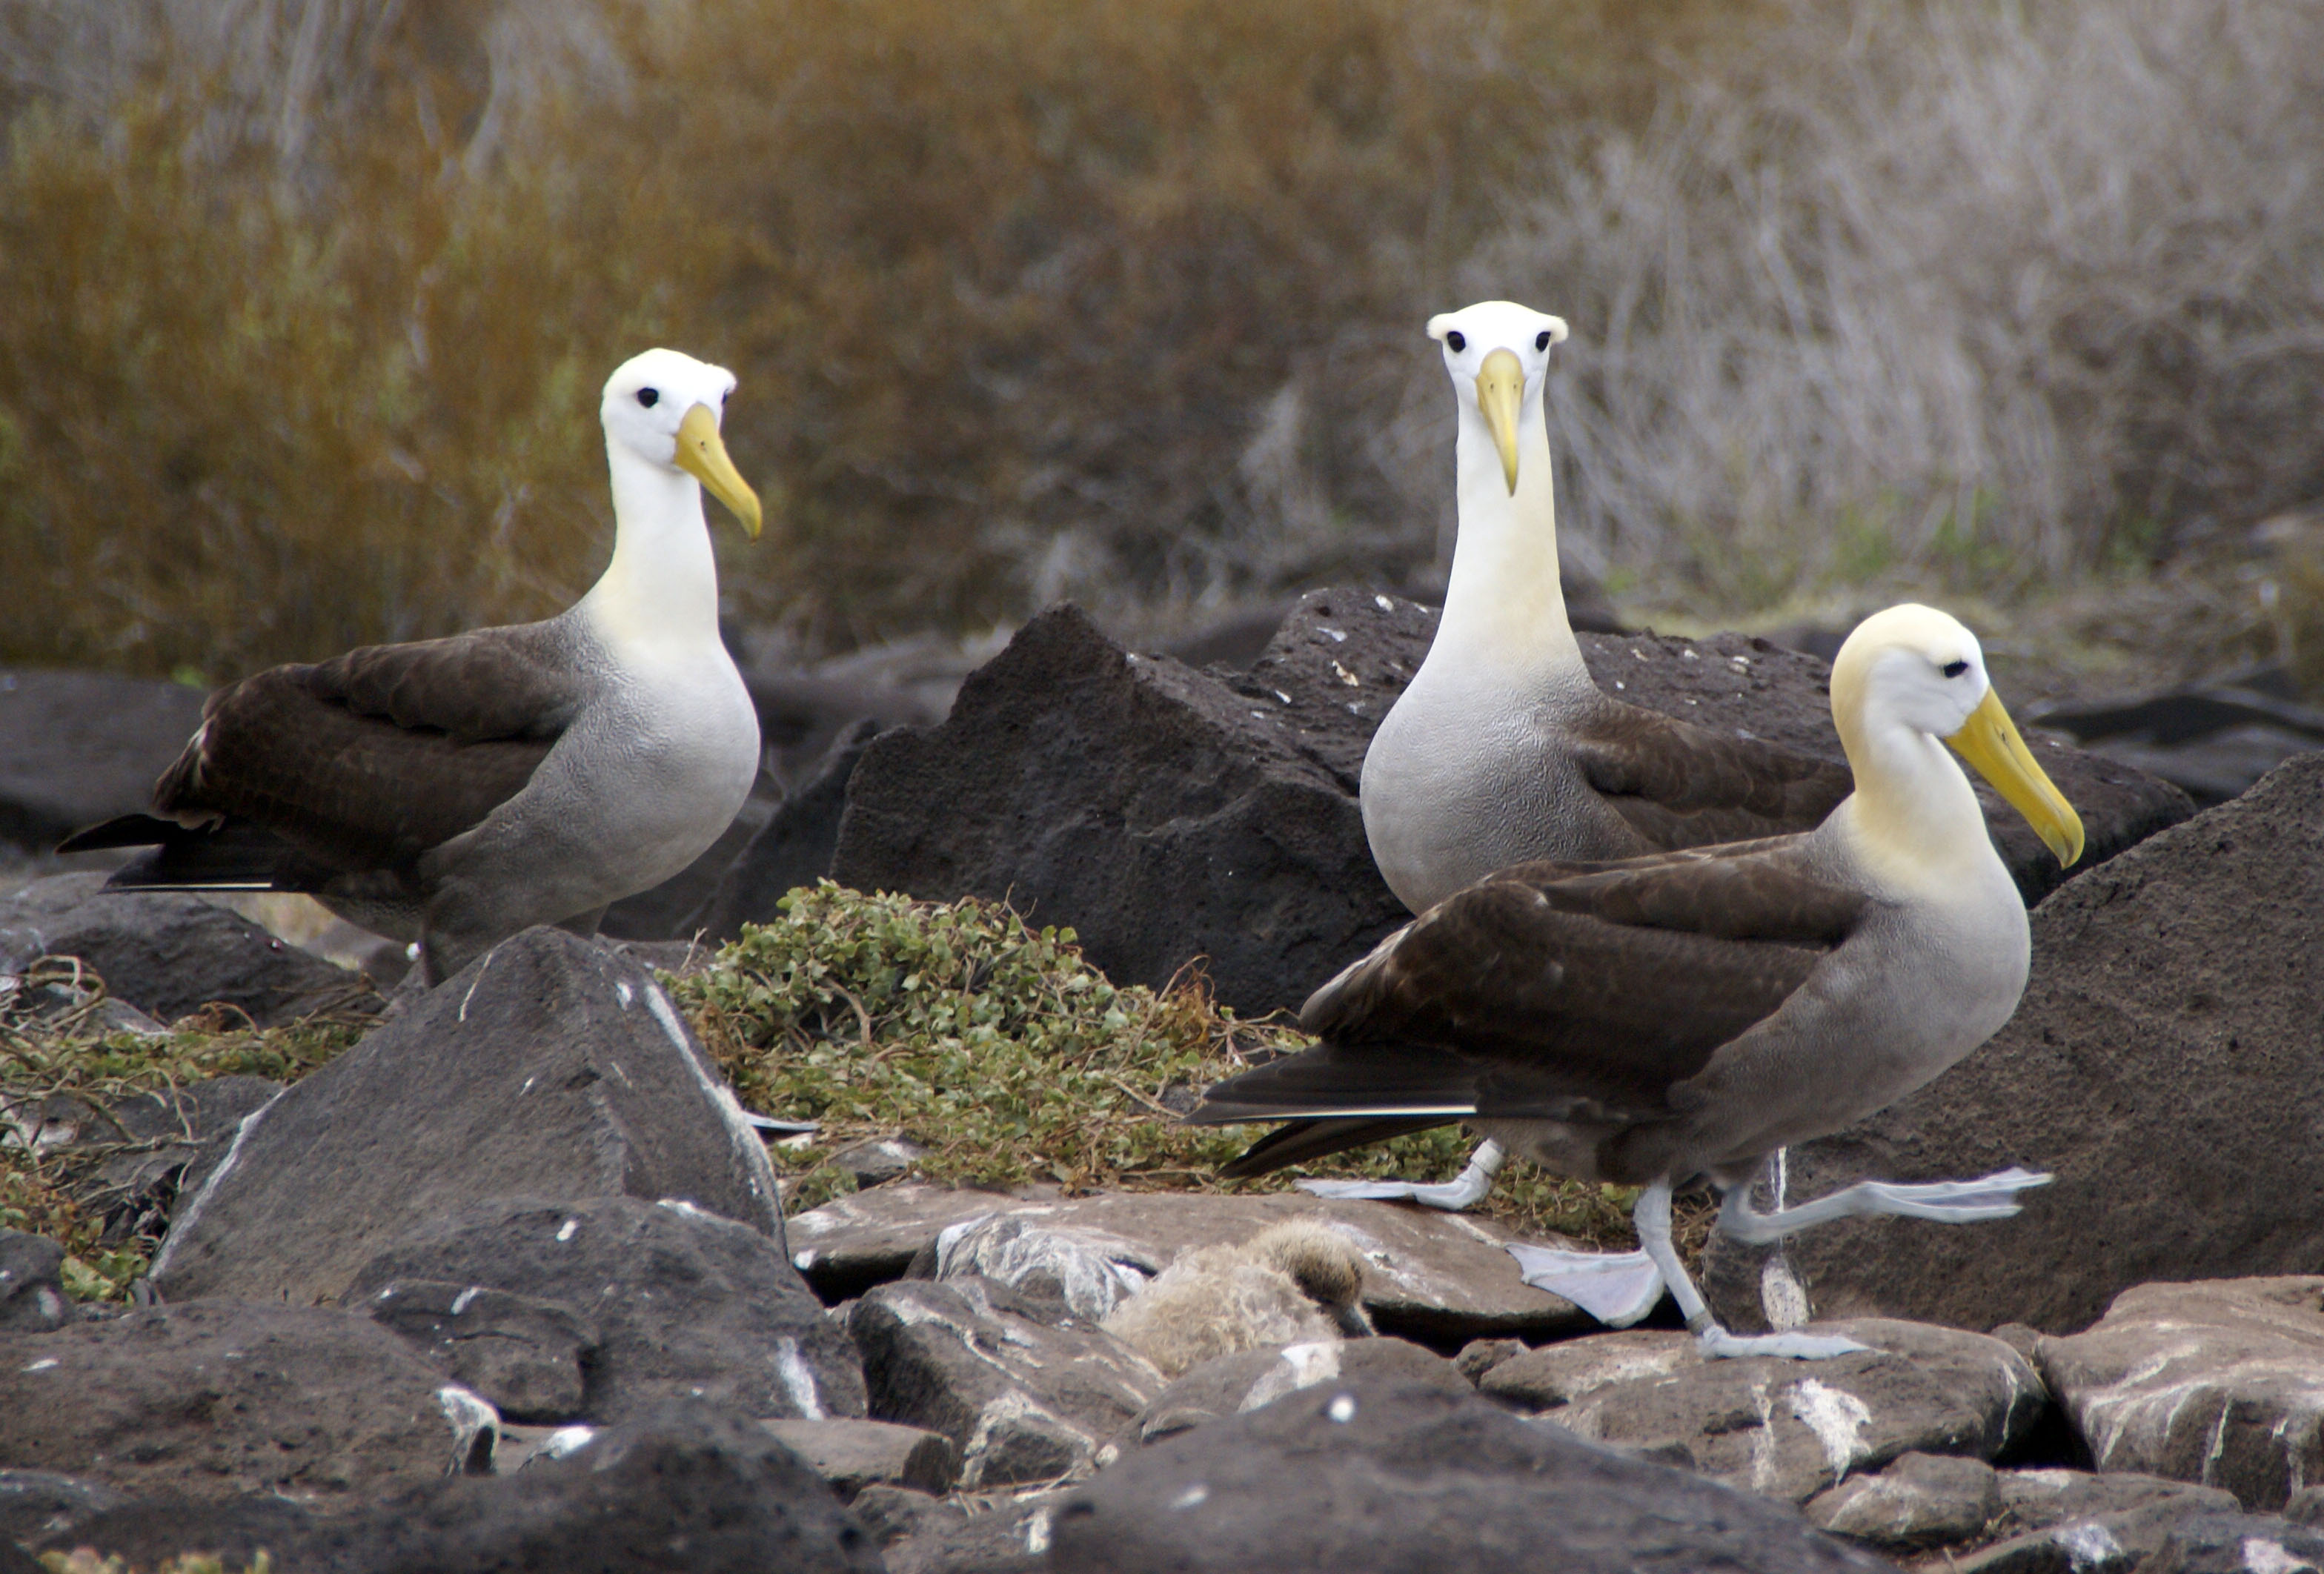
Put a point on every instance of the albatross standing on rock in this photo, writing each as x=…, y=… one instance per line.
x=455, y=791
x=1503, y=750
x=1655, y=1020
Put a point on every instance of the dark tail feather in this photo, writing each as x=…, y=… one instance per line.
x=122, y=831
x=234, y=856
x=1302, y=1140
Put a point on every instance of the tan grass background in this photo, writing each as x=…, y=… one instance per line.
x=304, y=303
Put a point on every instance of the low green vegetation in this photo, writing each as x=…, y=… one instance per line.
x=999, y=1049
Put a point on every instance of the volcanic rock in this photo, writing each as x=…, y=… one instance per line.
x=2220, y=1383
x=549, y=1069
x=610, y=1306
x=212, y=1399
x=1786, y=1429
x=1365, y=1477
x=1026, y=1399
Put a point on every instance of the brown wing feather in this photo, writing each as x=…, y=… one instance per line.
x=1683, y=786
x=1552, y=988
x=366, y=761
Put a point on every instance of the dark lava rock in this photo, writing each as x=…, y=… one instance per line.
x=170, y=954
x=671, y=1301
x=2068, y=1521
x=520, y=1354
x=80, y=747
x=151, y=1533
x=1156, y=810
x=2162, y=1065
x=795, y=847
x=1388, y=1476
x=549, y=1068
x=2220, y=1383
x=1231, y=1384
x=2238, y=1543
x=686, y=1488
x=1166, y=813
x=1787, y=1429
x=35, y=1504
x=31, y=1286
x=1919, y=1501
x=212, y=1399
x=1008, y=1537
x=853, y=1454
x=1026, y=1398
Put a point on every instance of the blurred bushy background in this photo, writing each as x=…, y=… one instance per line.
x=304, y=304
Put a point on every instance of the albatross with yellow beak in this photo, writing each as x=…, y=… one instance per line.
x=1503, y=750
x=1653, y=1021
x=454, y=791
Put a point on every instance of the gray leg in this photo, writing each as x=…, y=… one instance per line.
x=1940, y=1201
x=1468, y=1187
x=1652, y=1217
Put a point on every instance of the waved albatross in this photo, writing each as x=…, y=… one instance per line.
x=455, y=791
x=1651, y=1021
x=1503, y=750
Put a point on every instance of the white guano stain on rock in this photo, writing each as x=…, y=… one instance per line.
x=797, y=1379
x=1297, y=1366
x=1838, y=1417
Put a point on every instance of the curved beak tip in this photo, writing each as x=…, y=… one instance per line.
x=701, y=454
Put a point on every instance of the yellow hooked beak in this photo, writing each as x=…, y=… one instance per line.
x=1988, y=740
x=702, y=455
x=1500, y=391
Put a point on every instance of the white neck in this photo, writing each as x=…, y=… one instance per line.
x=1913, y=819
x=1504, y=608
x=662, y=585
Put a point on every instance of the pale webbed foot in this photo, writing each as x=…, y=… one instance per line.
x=1717, y=1344
x=1464, y=1190
x=1617, y=1288
x=1994, y=1196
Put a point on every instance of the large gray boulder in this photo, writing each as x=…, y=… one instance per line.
x=2220, y=1383
x=657, y=1301
x=213, y=1399
x=1360, y=1478
x=549, y=1069
x=1784, y=1429
x=1025, y=1397
x=1168, y=813
x=686, y=1489
x=80, y=747
x=2164, y=1065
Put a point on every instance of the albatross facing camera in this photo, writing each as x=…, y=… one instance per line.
x=1503, y=750
x=455, y=791
x=1652, y=1021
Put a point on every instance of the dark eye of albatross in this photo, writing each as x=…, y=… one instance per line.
x=1455, y=342
x=649, y=397
x=1541, y=340
x=1955, y=669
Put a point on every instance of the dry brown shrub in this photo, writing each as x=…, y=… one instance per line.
x=309, y=302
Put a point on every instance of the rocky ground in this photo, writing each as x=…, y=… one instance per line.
x=500, y=1276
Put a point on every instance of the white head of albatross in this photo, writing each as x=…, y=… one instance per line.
x=661, y=411
x=1504, y=587
x=1907, y=681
